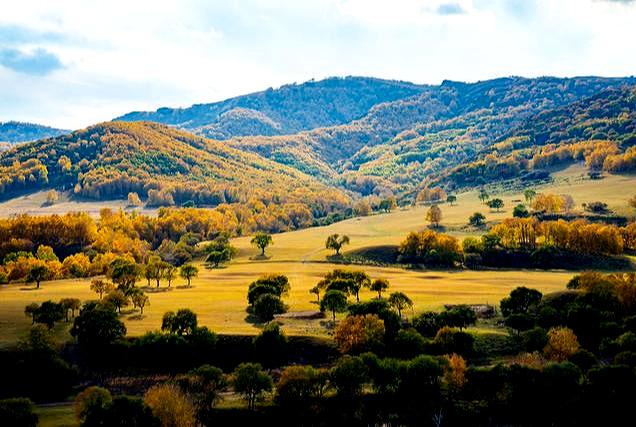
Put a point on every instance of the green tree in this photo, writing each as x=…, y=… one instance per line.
x=48, y=313
x=251, y=382
x=379, y=286
x=183, y=322
x=483, y=195
x=271, y=345
x=334, y=301
x=17, y=412
x=316, y=291
x=450, y=199
x=477, y=219
x=388, y=204
x=268, y=305
x=97, y=325
x=118, y=299
x=336, y=241
x=101, y=287
x=399, y=301
x=124, y=273
x=349, y=375
x=170, y=273
x=92, y=399
x=38, y=273
x=529, y=195
x=188, y=272
x=140, y=300
x=495, y=204
x=520, y=211
x=30, y=310
x=70, y=304
x=521, y=300
x=262, y=241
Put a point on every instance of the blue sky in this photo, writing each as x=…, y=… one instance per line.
x=77, y=62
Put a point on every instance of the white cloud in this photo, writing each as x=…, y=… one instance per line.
x=125, y=55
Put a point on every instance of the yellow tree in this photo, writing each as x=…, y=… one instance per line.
x=562, y=343
x=434, y=215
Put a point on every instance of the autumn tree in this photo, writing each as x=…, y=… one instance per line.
x=388, y=204
x=262, y=241
x=632, y=202
x=101, y=287
x=52, y=197
x=188, y=272
x=400, y=301
x=434, y=215
x=334, y=301
x=379, y=286
x=455, y=372
x=140, y=300
x=90, y=400
x=117, y=299
x=124, y=273
x=336, y=242
x=359, y=333
x=562, y=343
x=70, y=304
x=171, y=406
x=134, y=200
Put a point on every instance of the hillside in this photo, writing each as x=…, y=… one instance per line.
x=399, y=145
x=22, y=132
x=288, y=109
x=164, y=165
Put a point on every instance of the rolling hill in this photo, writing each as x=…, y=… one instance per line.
x=165, y=165
x=288, y=109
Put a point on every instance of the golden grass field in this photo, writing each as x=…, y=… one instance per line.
x=218, y=296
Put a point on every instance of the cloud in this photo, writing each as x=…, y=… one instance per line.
x=38, y=62
x=450, y=9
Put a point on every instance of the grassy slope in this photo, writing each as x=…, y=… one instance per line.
x=218, y=295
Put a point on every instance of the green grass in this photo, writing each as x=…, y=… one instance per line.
x=218, y=296
x=56, y=415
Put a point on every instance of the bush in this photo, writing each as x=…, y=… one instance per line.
x=271, y=346
x=17, y=412
x=408, y=343
x=449, y=340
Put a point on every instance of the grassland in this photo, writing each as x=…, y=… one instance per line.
x=218, y=296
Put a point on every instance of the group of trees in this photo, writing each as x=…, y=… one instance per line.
x=430, y=248
x=264, y=296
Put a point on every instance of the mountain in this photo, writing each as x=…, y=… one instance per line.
x=401, y=145
x=288, y=109
x=163, y=164
x=22, y=132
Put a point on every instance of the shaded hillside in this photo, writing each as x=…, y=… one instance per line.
x=399, y=144
x=22, y=132
x=288, y=109
x=165, y=165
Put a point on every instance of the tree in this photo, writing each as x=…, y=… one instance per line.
x=268, y=305
x=316, y=291
x=169, y=273
x=562, y=343
x=37, y=273
x=184, y=322
x=171, y=406
x=118, y=299
x=46, y=253
x=262, y=241
x=496, y=204
x=30, y=310
x=205, y=385
x=97, y=325
x=434, y=215
x=455, y=372
x=521, y=299
x=349, y=375
x=460, y=316
x=336, y=241
x=123, y=411
x=251, y=382
x=48, y=313
x=140, y=300
x=52, y=197
x=450, y=199
x=334, y=301
x=477, y=219
x=299, y=385
x=124, y=273
x=134, y=200
x=188, y=272
x=399, y=301
x=90, y=400
x=388, y=204
x=359, y=333
x=632, y=202
x=379, y=286
x=271, y=345
x=529, y=195
x=520, y=211
x=483, y=195
x=101, y=287
x=348, y=281
x=216, y=257
x=71, y=304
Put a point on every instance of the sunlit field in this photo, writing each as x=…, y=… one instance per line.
x=218, y=296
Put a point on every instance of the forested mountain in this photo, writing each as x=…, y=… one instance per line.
x=288, y=109
x=164, y=165
x=401, y=145
x=21, y=132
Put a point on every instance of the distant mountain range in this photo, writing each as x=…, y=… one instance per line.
x=13, y=132
x=338, y=138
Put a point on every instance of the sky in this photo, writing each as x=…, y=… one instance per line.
x=73, y=63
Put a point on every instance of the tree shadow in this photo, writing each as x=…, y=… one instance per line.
x=184, y=287
x=260, y=258
x=328, y=324
x=30, y=288
x=254, y=320
x=136, y=317
x=155, y=290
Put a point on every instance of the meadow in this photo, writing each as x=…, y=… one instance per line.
x=218, y=296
